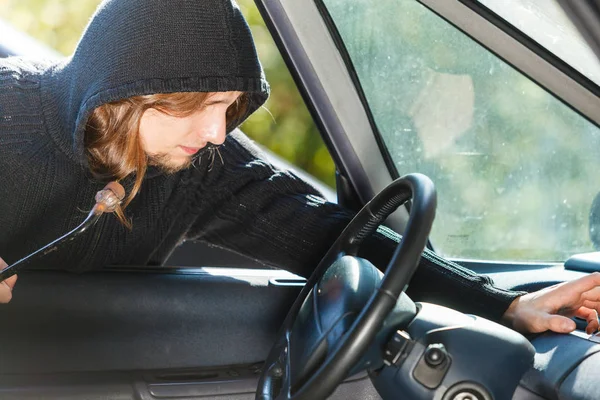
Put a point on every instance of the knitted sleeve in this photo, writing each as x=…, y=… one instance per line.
x=277, y=219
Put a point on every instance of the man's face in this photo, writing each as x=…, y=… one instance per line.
x=172, y=141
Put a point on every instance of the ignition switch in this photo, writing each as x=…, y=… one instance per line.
x=432, y=366
x=435, y=355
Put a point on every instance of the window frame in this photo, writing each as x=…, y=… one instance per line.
x=527, y=41
x=522, y=53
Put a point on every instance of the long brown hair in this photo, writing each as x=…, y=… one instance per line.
x=112, y=141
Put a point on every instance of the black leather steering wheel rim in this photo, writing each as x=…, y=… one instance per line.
x=400, y=269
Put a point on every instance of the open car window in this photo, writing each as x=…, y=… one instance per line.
x=515, y=168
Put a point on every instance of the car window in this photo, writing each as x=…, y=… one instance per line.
x=546, y=23
x=515, y=168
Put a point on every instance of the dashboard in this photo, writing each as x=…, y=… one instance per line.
x=565, y=366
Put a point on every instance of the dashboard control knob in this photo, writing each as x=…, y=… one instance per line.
x=435, y=355
x=433, y=366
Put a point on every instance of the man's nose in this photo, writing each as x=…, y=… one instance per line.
x=216, y=131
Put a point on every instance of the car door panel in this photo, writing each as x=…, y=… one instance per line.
x=116, y=320
x=126, y=334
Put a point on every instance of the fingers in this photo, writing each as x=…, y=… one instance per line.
x=6, y=288
x=592, y=294
x=591, y=316
x=584, y=292
x=5, y=293
x=586, y=284
x=540, y=322
x=591, y=304
x=558, y=323
x=551, y=308
x=7, y=285
x=11, y=282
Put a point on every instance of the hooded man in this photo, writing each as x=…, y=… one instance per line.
x=152, y=97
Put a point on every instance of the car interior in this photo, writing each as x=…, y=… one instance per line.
x=494, y=106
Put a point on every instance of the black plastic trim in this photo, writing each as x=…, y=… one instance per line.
x=532, y=45
x=510, y=63
x=286, y=55
x=584, y=262
x=339, y=44
x=299, y=66
x=585, y=15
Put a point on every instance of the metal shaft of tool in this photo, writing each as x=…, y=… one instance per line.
x=107, y=200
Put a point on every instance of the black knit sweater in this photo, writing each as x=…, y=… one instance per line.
x=134, y=47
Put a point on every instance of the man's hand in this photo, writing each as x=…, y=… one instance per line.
x=553, y=307
x=6, y=286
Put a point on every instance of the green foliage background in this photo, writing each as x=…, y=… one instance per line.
x=284, y=125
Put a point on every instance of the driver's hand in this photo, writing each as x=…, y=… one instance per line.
x=6, y=286
x=552, y=308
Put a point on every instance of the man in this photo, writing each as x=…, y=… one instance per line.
x=151, y=87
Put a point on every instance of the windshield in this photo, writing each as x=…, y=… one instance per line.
x=515, y=168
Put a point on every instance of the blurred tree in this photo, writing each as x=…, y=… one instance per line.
x=283, y=125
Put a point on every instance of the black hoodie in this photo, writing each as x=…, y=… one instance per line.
x=135, y=47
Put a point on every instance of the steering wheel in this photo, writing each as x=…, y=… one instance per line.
x=346, y=300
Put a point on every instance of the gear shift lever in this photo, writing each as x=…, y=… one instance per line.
x=107, y=201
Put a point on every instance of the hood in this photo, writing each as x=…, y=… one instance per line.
x=137, y=47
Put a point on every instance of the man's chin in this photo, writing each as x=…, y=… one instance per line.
x=170, y=165
x=174, y=168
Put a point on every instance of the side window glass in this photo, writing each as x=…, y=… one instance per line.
x=516, y=169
